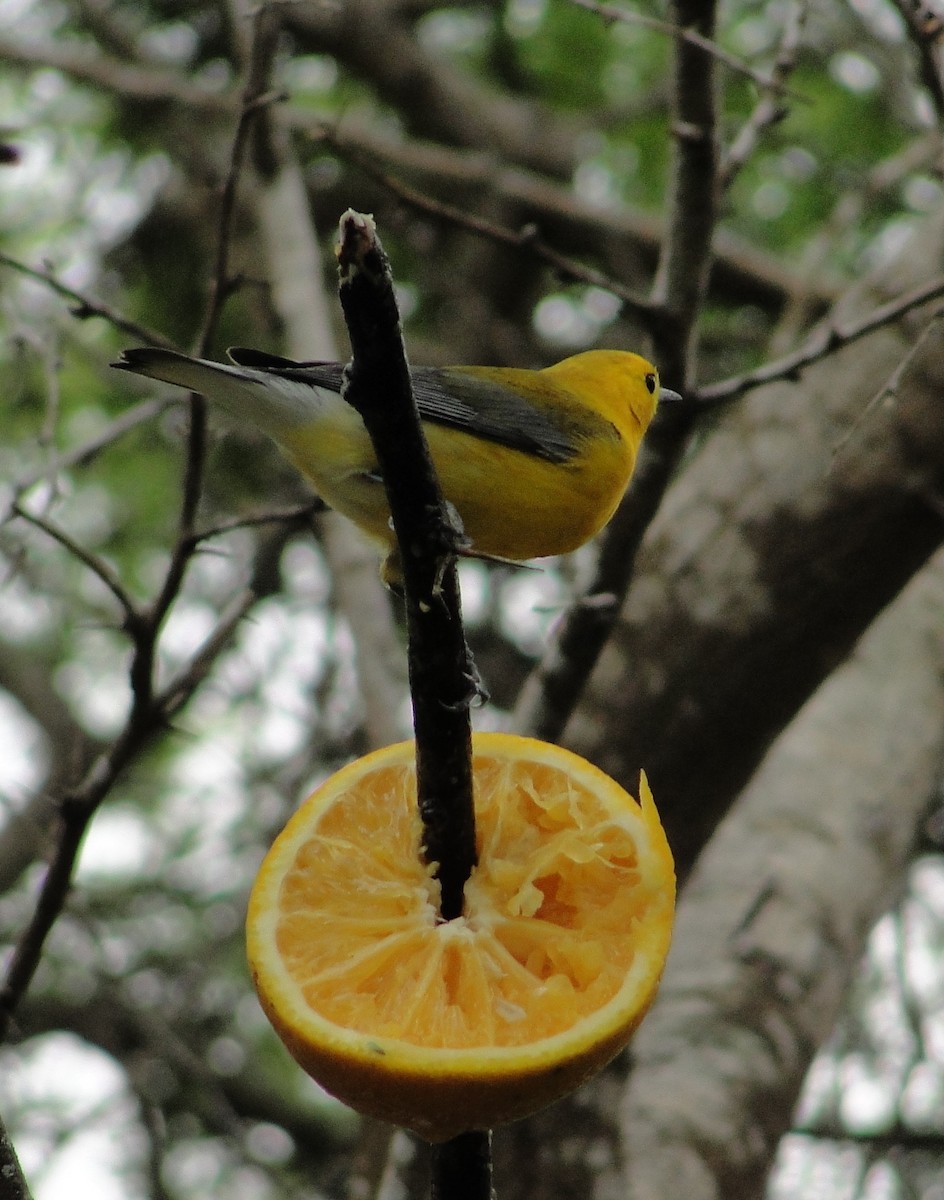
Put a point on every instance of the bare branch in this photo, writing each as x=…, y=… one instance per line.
x=770, y=108
x=256, y=99
x=687, y=33
x=135, y=81
x=890, y=389
x=554, y=688
x=84, y=305
x=925, y=26
x=83, y=454
x=299, y=515
x=98, y=566
x=770, y=557
x=527, y=238
x=14, y=1182
x=148, y=715
x=177, y=693
x=826, y=340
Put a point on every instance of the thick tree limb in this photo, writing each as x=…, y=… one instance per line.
x=774, y=920
x=769, y=558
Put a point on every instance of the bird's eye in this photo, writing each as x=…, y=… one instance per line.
x=651, y=383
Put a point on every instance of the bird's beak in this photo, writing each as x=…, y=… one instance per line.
x=667, y=396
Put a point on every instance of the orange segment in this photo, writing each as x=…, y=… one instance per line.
x=444, y=1027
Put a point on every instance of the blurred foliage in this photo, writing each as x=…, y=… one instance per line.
x=119, y=195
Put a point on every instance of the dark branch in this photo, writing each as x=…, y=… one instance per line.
x=824, y=341
x=13, y=1185
x=442, y=676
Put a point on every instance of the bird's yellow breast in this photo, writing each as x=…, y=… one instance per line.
x=512, y=504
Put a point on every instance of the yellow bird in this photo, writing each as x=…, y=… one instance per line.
x=534, y=462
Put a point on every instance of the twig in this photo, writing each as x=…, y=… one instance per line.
x=83, y=454
x=149, y=714
x=527, y=238
x=173, y=698
x=689, y=34
x=549, y=695
x=770, y=108
x=148, y=717
x=825, y=340
x=925, y=24
x=84, y=305
x=255, y=99
x=98, y=566
x=692, y=199
x=298, y=515
x=891, y=387
x=442, y=677
x=553, y=688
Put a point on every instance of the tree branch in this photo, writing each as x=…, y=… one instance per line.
x=826, y=340
x=148, y=714
x=610, y=12
x=770, y=108
x=528, y=238
x=442, y=676
x=83, y=305
x=12, y=1179
x=774, y=920
x=555, y=686
x=769, y=558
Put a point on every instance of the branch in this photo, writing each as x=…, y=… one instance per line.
x=136, y=1038
x=687, y=33
x=612, y=232
x=256, y=99
x=774, y=921
x=692, y=194
x=552, y=689
x=300, y=295
x=825, y=341
x=12, y=1179
x=442, y=677
x=925, y=25
x=298, y=516
x=137, y=82
x=98, y=566
x=528, y=238
x=148, y=715
x=770, y=556
x=550, y=694
x=83, y=305
x=770, y=108
x=891, y=389
x=434, y=97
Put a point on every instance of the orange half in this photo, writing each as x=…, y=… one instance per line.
x=440, y=1026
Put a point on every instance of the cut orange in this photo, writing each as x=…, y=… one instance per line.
x=440, y=1026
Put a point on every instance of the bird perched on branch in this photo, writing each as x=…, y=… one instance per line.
x=534, y=462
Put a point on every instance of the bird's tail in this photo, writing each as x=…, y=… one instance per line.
x=271, y=400
x=170, y=366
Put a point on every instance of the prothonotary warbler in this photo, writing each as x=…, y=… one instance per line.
x=534, y=462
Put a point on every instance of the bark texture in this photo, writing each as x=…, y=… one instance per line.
x=775, y=916
x=803, y=515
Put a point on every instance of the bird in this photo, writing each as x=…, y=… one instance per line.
x=533, y=462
